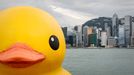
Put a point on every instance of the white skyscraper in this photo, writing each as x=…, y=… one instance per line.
x=127, y=26
x=104, y=38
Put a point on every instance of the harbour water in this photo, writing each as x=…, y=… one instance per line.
x=100, y=61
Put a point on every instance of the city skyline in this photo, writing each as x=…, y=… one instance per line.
x=103, y=32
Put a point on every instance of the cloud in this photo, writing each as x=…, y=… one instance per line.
x=67, y=12
x=99, y=7
x=76, y=12
x=71, y=13
x=70, y=17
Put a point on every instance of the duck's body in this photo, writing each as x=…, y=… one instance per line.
x=32, y=43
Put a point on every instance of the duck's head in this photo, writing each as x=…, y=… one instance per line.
x=31, y=42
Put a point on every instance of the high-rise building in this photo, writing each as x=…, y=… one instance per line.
x=85, y=35
x=121, y=38
x=86, y=32
x=78, y=30
x=99, y=37
x=64, y=29
x=92, y=40
x=115, y=25
x=111, y=42
x=70, y=40
x=108, y=30
x=132, y=37
x=104, y=38
x=127, y=26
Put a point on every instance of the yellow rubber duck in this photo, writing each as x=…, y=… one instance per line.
x=31, y=43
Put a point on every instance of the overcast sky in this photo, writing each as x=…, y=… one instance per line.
x=76, y=12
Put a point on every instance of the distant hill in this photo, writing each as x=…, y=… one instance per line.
x=99, y=22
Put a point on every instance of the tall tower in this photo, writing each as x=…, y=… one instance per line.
x=121, y=38
x=78, y=35
x=128, y=26
x=132, y=37
x=85, y=35
x=115, y=25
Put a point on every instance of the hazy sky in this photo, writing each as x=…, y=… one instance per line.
x=76, y=12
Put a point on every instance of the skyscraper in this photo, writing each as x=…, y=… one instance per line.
x=85, y=35
x=121, y=39
x=115, y=25
x=104, y=38
x=86, y=32
x=132, y=37
x=78, y=30
x=108, y=30
x=127, y=26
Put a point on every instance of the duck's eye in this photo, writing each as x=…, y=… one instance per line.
x=54, y=42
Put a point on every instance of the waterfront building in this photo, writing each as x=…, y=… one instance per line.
x=92, y=40
x=71, y=39
x=85, y=35
x=127, y=26
x=78, y=31
x=111, y=42
x=121, y=38
x=86, y=32
x=104, y=38
x=132, y=37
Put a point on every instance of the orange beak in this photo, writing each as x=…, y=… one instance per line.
x=20, y=56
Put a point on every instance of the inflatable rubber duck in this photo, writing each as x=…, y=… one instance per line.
x=31, y=43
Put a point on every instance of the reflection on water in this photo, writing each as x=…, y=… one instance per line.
x=100, y=61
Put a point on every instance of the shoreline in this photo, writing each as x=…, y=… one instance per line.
x=95, y=48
